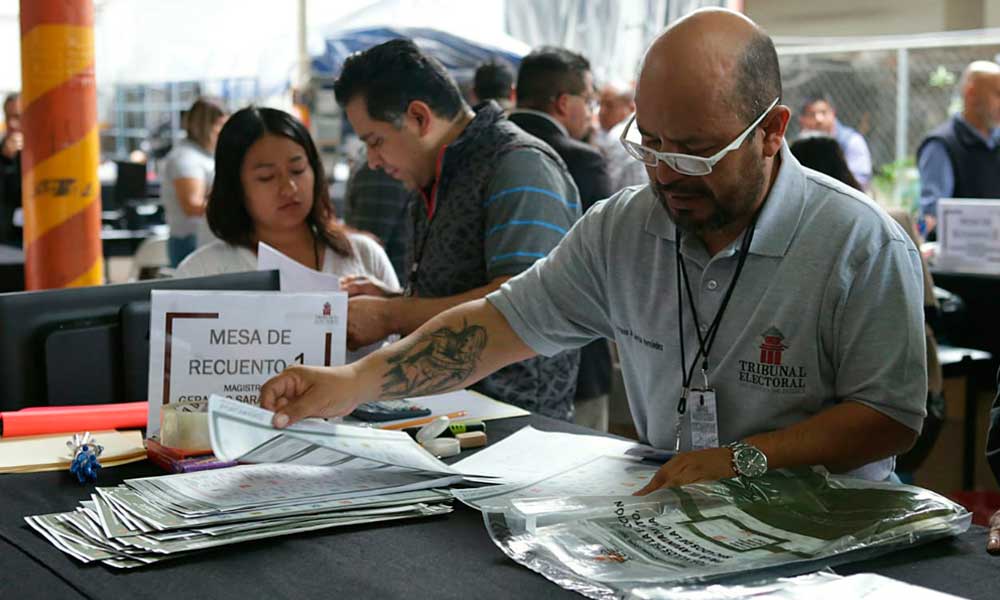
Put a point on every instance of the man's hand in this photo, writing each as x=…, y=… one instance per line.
x=710, y=464
x=12, y=144
x=368, y=321
x=993, y=539
x=300, y=392
x=362, y=285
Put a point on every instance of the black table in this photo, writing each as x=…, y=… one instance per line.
x=980, y=327
x=124, y=242
x=445, y=557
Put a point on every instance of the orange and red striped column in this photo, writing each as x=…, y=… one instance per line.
x=61, y=191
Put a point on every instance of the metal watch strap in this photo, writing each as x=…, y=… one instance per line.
x=737, y=447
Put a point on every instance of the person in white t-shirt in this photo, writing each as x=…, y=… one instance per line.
x=270, y=187
x=187, y=177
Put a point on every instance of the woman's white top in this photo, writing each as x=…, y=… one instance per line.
x=218, y=257
x=187, y=160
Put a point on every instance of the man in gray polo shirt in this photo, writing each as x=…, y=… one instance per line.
x=805, y=295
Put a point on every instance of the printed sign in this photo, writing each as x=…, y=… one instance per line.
x=969, y=235
x=230, y=343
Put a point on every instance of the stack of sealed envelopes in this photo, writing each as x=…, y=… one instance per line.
x=315, y=475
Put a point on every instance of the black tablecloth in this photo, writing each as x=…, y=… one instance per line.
x=444, y=557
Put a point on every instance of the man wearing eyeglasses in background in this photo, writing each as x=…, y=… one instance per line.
x=767, y=316
x=555, y=103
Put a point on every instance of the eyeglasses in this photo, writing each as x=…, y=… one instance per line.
x=592, y=103
x=686, y=164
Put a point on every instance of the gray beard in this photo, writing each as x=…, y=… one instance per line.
x=723, y=216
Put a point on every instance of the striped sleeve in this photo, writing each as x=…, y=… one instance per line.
x=530, y=204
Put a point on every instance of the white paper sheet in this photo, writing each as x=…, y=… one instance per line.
x=246, y=487
x=295, y=277
x=822, y=585
x=530, y=454
x=601, y=476
x=238, y=429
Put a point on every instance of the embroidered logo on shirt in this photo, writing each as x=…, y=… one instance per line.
x=771, y=348
x=768, y=372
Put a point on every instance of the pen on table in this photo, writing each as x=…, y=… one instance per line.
x=424, y=420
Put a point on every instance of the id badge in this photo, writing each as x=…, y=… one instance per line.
x=704, y=419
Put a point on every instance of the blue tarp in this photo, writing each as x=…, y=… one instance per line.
x=459, y=55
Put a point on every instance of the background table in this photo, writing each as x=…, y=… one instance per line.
x=444, y=557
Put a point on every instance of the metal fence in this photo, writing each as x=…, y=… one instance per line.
x=147, y=117
x=892, y=89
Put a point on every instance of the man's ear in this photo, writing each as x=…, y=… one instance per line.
x=560, y=106
x=774, y=126
x=421, y=116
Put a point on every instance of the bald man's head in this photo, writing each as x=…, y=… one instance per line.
x=719, y=56
x=980, y=87
x=617, y=103
x=703, y=82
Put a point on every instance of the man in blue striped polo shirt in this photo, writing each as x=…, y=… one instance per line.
x=493, y=201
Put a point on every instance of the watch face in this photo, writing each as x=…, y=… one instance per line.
x=750, y=462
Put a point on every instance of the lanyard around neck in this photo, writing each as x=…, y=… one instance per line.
x=705, y=341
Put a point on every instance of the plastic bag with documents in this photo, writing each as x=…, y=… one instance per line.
x=784, y=523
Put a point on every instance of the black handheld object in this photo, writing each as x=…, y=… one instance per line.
x=389, y=410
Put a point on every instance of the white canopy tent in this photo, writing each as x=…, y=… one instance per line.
x=157, y=41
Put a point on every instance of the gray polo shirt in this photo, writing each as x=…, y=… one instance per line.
x=828, y=308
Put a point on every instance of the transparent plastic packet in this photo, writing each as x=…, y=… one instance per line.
x=734, y=531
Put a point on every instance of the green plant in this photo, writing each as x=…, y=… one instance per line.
x=897, y=185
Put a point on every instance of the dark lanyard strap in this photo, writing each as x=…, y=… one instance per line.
x=418, y=254
x=430, y=204
x=704, y=343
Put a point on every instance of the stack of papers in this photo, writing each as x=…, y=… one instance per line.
x=148, y=520
x=319, y=475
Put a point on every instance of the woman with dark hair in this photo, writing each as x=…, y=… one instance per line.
x=824, y=154
x=270, y=188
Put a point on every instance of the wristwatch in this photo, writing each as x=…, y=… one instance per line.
x=748, y=460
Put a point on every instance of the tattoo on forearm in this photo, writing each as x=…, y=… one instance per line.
x=435, y=363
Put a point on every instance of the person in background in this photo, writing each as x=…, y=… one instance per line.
x=270, y=188
x=824, y=154
x=376, y=203
x=555, y=103
x=961, y=157
x=494, y=81
x=617, y=105
x=187, y=177
x=494, y=200
x=10, y=170
x=817, y=358
x=818, y=115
